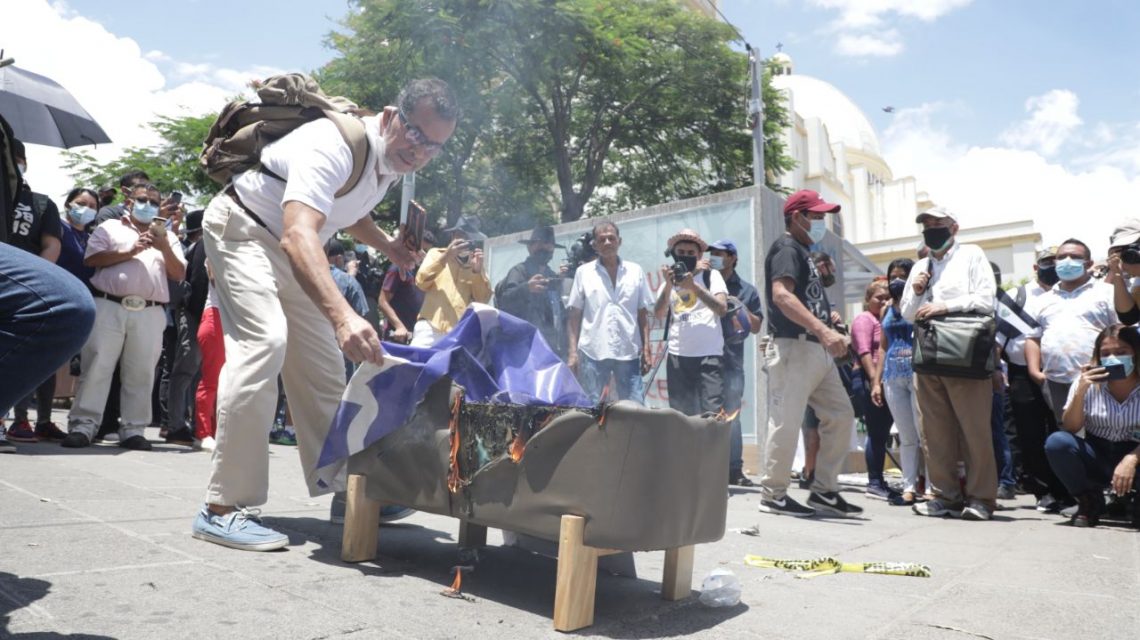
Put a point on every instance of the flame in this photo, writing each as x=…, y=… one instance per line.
x=518, y=445
x=453, y=434
x=602, y=417
x=458, y=581
x=605, y=391
x=723, y=416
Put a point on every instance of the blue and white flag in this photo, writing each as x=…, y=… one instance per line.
x=494, y=356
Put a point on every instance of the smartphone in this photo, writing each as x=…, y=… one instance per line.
x=175, y=197
x=1115, y=372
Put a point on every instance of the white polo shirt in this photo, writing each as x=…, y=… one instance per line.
x=1070, y=322
x=609, y=310
x=694, y=330
x=316, y=161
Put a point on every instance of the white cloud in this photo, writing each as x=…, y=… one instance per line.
x=122, y=87
x=1052, y=120
x=992, y=184
x=889, y=44
x=868, y=27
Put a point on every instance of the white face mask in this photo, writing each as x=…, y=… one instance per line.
x=716, y=262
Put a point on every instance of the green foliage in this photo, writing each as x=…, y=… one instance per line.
x=172, y=164
x=777, y=119
x=570, y=106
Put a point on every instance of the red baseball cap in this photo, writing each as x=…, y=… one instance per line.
x=808, y=200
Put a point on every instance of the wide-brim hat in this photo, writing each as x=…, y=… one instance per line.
x=467, y=224
x=688, y=235
x=544, y=234
x=193, y=222
x=1127, y=233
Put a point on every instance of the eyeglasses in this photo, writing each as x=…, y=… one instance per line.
x=416, y=136
x=144, y=201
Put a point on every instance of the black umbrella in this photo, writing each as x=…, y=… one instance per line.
x=42, y=112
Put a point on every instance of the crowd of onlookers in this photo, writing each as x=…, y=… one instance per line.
x=1053, y=413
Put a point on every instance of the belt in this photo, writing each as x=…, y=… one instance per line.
x=119, y=299
x=232, y=193
x=802, y=337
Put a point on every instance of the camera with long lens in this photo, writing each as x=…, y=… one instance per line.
x=580, y=251
x=1131, y=254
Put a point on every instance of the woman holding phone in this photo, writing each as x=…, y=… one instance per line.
x=1105, y=402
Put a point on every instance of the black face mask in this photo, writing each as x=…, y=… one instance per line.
x=935, y=238
x=896, y=287
x=688, y=261
x=827, y=279
x=1048, y=275
x=542, y=256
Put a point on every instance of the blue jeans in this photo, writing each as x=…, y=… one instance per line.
x=1084, y=465
x=878, y=421
x=46, y=315
x=1002, y=456
x=733, y=398
x=594, y=375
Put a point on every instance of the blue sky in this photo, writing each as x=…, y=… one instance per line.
x=1005, y=109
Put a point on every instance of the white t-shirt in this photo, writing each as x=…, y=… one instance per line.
x=1070, y=322
x=694, y=330
x=609, y=311
x=316, y=162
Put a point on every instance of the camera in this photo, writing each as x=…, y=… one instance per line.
x=680, y=270
x=1130, y=254
x=580, y=251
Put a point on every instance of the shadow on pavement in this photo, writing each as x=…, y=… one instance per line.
x=625, y=607
x=17, y=593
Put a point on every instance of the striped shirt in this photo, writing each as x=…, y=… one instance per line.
x=1105, y=417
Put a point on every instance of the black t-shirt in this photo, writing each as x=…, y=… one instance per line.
x=35, y=216
x=790, y=259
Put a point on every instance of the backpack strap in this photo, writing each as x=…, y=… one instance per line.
x=352, y=130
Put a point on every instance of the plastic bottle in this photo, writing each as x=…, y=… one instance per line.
x=720, y=588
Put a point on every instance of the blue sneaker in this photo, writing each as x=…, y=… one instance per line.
x=239, y=529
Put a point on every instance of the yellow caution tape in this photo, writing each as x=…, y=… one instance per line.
x=828, y=565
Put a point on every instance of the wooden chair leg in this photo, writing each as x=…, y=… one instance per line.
x=361, y=522
x=577, y=577
x=471, y=535
x=677, y=582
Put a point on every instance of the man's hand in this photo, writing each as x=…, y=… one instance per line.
x=401, y=335
x=476, y=263
x=142, y=244
x=358, y=340
x=455, y=247
x=1124, y=475
x=920, y=282
x=704, y=265
x=666, y=276
x=170, y=210
x=1115, y=270
x=836, y=319
x=930, y=310
x=537, y=283
x=158, y=238
x=646, y=360
x=572, y=361
x=834, y=342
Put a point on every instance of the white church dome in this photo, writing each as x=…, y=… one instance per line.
x=845, y=122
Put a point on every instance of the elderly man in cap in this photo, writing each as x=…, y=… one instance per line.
x=1032, y=419
x=694, y=296
x=533, y=292
x=743, y=319
x=1124, y=268
x=800, y=360
x=451, y=278
x=953, y=412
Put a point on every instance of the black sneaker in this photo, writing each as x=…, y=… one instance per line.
x=135, y=443
x=786, y=507
x=181, y=436
x=75, y=440
x=832, y=503
x=742, y=481
x=5, y=445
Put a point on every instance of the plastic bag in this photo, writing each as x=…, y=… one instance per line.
x=720, y=588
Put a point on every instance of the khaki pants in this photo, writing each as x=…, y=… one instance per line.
x=954, y=419
x=271, y=327
x=131, y=339
x=801, y=373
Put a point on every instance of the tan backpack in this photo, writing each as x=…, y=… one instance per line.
x=244, y=128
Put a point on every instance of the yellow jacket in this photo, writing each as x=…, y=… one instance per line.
x=448, y=288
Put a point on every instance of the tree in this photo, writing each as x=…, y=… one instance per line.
x=777, y=119
x=172, y=164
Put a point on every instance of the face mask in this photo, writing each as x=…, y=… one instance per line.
x=81, y=216
x=144, y=213
x=543, y=256
x=937, y=238
x=688, y=261
x=896, y=287
x=716, y=262
x=827, y=280
x=22, y=168
x=1048, y=275
x=1109, y=361
x=1070, y=269
x=817, y=230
